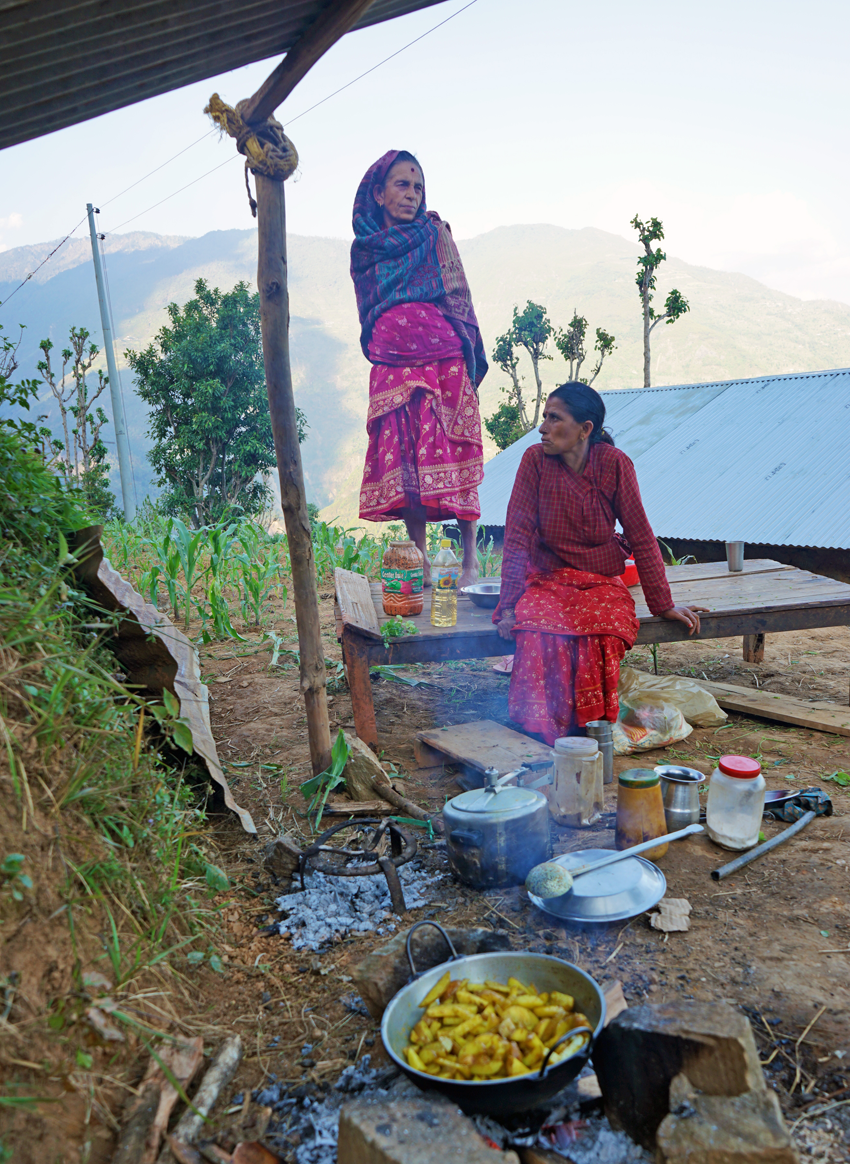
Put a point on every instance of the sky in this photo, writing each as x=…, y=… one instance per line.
x=729, y=121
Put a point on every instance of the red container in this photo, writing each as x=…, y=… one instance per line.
x=630, y=574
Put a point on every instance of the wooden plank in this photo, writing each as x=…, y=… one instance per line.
x=753, y=648
x=783, y=708
x=695, y=571
x=355, y=602
x=332, y=23
x=484, y=744
x=732, y=624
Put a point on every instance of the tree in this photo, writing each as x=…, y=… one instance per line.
x=505, y=425
x=675, y=305
x=203, y=381
x=532, y=329
x=81, y=455
x=570, y=344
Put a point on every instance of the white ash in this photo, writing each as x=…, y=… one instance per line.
x=598, y=1143
x=333, y=907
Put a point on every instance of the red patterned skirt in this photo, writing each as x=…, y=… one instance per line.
x=572, y=631
x=424, y=427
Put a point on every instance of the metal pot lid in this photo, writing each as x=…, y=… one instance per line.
x=611, y=894
x=507, y=799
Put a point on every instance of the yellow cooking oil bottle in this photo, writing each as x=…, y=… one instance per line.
x=445, y=569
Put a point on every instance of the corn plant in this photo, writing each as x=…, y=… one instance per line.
x=190, y=547
x=489, y=562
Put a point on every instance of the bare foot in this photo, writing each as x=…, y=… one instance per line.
x=467, y=577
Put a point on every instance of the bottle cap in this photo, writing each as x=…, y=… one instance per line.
x=445, y=543
x=741, y=767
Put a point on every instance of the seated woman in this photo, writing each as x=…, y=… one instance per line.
x=561, y=596
x=424, y=459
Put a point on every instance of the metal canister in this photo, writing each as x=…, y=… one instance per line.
x=601, y=730
x=680, y=794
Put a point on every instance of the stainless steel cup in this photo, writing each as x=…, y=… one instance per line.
x=735, y=556
x=600, y=730
x=680, y=795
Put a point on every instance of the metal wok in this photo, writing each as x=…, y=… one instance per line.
x=494, y=1097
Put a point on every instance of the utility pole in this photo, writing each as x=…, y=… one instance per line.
x=118, y=418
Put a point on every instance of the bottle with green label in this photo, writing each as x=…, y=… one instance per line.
x=445, y=570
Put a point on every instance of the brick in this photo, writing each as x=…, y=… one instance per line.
x=638, y=1054
x=722, y=1129
x=412, y=1131
x=381, y=974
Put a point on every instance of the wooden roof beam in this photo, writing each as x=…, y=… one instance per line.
x=334, y=21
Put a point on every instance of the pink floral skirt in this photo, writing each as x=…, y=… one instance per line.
x=424, y=427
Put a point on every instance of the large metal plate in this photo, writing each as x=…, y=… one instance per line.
x=612, y=894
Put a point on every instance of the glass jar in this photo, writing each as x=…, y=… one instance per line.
x=402, y=574
x=640, y=811
x=735, y=802
x=575, y=794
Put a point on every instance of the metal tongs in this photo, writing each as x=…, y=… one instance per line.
x=494, y=783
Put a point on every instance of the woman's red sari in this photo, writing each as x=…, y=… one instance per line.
x=423, y=425
x=572, y=631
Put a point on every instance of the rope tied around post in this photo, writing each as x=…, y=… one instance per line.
x=266, y=148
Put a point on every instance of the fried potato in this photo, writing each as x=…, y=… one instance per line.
x=489, y=1030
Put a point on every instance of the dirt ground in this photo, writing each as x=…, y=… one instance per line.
x=774, y=940
x=768, y=941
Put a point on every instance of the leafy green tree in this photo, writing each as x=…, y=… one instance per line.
x=532, y=330
x=571, y=345
x=506, y=358
x=505, y=425
x=81, y=455
x=203, y=381
x=675, y=305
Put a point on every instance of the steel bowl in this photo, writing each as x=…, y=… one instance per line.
x=496, y=1097
x=485, y=593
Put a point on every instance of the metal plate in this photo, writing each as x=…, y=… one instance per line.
x=613, y=894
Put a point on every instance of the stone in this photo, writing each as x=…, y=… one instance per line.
x=639, y=1053
x=673, y=915
x=412, y=1131
x=723, y=1129
x=381, y=974
x=363, y=770
x=281, y=858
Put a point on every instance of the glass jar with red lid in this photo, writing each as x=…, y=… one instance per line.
x=735, y=802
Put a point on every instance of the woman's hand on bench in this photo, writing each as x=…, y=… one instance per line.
x=686, y=614
x=506, y=624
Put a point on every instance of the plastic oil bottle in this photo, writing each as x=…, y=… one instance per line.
x=445, y=569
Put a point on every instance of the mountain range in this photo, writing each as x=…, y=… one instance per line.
x=736, y=327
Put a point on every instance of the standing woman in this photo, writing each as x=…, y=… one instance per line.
x=561, y=596
x=418, y=330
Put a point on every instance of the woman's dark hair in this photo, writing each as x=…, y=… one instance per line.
x=584, y=403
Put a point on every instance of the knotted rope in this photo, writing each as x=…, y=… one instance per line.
x=266, y=148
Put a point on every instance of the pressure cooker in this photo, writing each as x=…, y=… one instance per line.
x=496, y=834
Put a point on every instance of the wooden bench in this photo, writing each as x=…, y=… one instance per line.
x=764, y=598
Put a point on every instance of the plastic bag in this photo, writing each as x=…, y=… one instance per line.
x=647, y=722
x=698, y=706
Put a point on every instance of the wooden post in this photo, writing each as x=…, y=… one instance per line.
x=754, y=648
x=274, y=318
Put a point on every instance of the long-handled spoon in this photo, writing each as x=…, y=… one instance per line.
x=551, y=880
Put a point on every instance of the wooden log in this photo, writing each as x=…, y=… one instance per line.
x=220, y=1072
x=754, y=648
x=274, y=318
x=322, y=34
x=355, y=652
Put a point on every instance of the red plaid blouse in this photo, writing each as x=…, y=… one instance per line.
x=557, y=517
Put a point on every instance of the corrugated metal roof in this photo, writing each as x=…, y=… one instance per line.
x=766, y=460
x=64, y=61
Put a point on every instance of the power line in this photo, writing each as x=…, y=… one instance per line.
x=203, y=137
x=289, y=121
x=348, y=85
x=44, y=260
x=173, y=194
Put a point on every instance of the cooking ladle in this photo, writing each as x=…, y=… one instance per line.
x=551, y=880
